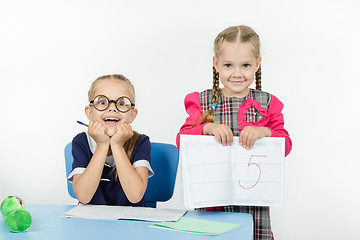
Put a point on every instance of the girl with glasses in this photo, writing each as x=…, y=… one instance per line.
x=111, y=161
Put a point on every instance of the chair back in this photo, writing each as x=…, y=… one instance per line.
x=68, y=164
x=164, y=162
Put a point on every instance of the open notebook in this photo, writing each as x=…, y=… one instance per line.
x=217, y=175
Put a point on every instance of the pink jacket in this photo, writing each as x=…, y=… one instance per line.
x=273, y=118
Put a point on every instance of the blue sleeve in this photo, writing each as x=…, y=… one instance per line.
x=141, y=155
x=81, y=151
x=142, y=150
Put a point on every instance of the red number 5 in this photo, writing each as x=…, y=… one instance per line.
x=249, y=164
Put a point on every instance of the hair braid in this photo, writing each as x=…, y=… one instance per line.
x=258, y=79
x=209, y=115
x=216, y=88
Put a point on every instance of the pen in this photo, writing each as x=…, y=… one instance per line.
x=82, y=123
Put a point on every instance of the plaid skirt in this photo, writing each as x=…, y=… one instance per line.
x=261, y=217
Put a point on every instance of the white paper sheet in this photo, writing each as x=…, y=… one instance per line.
x=216, y=175
x=124, y=212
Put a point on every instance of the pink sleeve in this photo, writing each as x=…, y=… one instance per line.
x=276, y=123
x=192, y=124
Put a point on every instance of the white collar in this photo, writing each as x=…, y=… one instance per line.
x=92, y=145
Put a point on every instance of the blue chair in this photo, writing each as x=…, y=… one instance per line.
x=164, y=162
x=68, y=164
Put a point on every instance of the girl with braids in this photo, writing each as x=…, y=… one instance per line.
x=236, y=109
x=111, y=161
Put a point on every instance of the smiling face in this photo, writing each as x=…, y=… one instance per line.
x=112, y=89
x=237, y=65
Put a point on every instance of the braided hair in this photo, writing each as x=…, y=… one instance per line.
x=209, y=115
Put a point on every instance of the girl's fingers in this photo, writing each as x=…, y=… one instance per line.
x=124, y=127
x=249, y=142
x=229, y=137
x=247, y=139
x=218, y=137
x=123, y=132
x=222, y=133
x=253, y=140
x=226, y=136
x=243, y=138
x=224, y=139
x=98, y=131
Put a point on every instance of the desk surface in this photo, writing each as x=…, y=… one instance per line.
x=47, y=224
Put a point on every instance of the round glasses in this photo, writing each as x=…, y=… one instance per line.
x=122, y=104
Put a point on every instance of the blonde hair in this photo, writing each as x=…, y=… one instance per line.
x=129, y=144
x=111, y=77
x=233, y=34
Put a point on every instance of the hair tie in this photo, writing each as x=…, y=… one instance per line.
x=214, y=105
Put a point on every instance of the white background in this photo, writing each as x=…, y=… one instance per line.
x=51, y=51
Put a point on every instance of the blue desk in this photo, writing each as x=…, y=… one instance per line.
x=47, y=224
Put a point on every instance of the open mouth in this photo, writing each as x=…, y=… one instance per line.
x=111, y=121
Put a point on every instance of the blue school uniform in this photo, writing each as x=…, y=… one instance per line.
x=109, y=191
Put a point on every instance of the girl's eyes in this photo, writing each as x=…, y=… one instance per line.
x=121, y=103
x=244, y=65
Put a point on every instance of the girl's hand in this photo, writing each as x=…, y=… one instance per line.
x=250, y=134
x=99, y=133
x=222, y=132
x=123, y=132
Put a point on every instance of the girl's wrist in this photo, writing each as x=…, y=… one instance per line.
x=103, y=146
x=118, y=150
x=118, y=145
x=205, y=130
x=267, y=132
